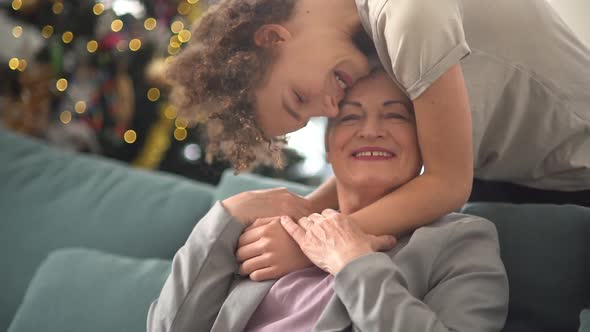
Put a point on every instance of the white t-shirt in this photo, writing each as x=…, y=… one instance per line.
x=527, y=75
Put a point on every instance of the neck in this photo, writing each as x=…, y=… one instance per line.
x=351, y=199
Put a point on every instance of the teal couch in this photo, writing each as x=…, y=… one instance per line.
x=86, y=243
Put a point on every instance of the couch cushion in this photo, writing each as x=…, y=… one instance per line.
x=546, y=250
x=85, y=290
x=50, y=199
x=585, y=321
x=232, y=184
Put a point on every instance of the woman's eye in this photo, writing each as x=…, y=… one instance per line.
x=299, y=98
x=395, y=116
x=349, y=118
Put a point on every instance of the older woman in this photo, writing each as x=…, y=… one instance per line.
x=446, y=276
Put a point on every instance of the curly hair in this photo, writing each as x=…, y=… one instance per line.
x=215, y=75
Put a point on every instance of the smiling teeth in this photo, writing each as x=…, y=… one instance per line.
x=373, y=154
x=341, y=82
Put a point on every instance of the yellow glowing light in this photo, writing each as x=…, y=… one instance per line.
x=22, y=65
x=67, y=37
x=16, y=4
x=13, y=63
x=65, y=117
x=98, y=9
x=122, y=45
x=117, y=25
x=62, y=84
x=184, y=36
x=177, y=26
x=92, y=46
x=135, y=44
x=57, y=8
x=47, y=31
x=173, y=50
x=80, y=107
x=170, y=112
x=150, y=23
x=130, y=136
x=153, y=94
x=168, y=60
x=192, y=2
x=181, y=123
x=184, y=8
x=17, y=31
x=180, y=134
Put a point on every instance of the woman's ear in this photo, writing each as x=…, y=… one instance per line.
x=270, y=35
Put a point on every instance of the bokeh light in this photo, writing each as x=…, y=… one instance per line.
x=98, y=9
x=135, y=44
x=65, y=117
x=92, y=46
x=67, y=37
x=47, y=31
x=153, y=94
x=61, y=84
x=180, y=134
x=150, y=23
x=130, y=136
x=117, y=25
x=17, y=31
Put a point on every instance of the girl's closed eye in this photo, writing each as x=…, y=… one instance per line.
x=349, y=118
x=395, y=115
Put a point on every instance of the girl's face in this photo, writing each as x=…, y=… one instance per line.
x=372, y=142
x=315, y=62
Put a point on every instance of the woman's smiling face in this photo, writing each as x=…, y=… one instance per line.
x=373, y=142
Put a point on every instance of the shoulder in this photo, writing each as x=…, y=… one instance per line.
x=460, y=227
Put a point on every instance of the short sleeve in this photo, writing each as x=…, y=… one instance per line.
x=417, y=40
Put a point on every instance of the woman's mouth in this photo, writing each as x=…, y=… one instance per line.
x=373, y=153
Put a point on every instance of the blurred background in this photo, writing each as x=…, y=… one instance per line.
x=88, y=76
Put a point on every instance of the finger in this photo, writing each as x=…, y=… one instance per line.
x=296, y=232
x=383, y=242
x=253, y=264
x=328, y=213
x=316, y=218
x=248, y=252
x=250, y=236
x=261, y=222
x=265, y=274
x=305, y=222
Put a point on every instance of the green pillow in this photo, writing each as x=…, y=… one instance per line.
x=50, y=199
x=232, y=184
x=85, y=290
x=585, y=321
x=546, y=251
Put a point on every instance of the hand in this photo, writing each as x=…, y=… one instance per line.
x=266, y=251
x=251, y=205
x=331, y=240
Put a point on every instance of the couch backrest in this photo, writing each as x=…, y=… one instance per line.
x=546, y=251
x=51, y=199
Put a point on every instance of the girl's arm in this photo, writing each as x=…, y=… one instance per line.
x=443, y=121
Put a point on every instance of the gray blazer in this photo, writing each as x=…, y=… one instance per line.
x=446, y=276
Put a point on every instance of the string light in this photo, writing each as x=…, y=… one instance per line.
x=117, y=25
x=184, y=8
x=22, y=65
x=98, y=9
x=13, y=63
x=92, y=46
x=170, y=112
x=134, y=44
x=17, y=31
x=184, y=36
x=65, y=117
x=80, y=107
x=150, y=24
x=181, y=123
x=57, y=8
x=61, y=84
x=177, y=26
x=17, y=4
x=47, y=31
x=67, y=37
x=130, y=136
x=153, y=94
x=180, y=134
x=173, y=50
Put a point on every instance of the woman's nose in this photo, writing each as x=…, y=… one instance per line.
x=371, y=128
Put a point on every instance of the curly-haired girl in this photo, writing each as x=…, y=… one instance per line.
x=512, y=70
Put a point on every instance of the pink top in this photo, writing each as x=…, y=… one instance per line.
x=294, y=303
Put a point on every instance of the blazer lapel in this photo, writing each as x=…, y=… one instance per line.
x=240, y=305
